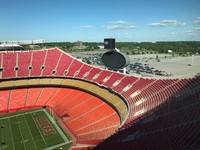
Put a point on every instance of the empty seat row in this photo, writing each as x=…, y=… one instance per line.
x=82, y=112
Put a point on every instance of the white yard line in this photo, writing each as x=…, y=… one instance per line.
x=1, y=132
x=51, y=120
x=11, y=135
x=56, y=126
x=20, y=132
x=30, y=132
x=53, y=147
x=20, y=114
x=58, y=130
x=39, y=130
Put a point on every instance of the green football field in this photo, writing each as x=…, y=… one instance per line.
x=31, y=130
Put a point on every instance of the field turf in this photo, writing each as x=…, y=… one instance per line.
x=31, y=130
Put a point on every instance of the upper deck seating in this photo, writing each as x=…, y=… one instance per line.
x=9, y=65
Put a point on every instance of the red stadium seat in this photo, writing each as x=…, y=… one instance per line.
x=32, y=96
x=17, y=98
x=51, y=62
x=24, y=63
x=162, y=113
x=4, y=100
x=9, y=65
x=37, y=63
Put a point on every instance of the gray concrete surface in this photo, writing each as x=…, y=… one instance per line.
x=179, y=67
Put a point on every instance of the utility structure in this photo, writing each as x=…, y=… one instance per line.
x=114, y=59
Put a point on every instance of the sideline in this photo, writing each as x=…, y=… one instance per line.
x=59, y=131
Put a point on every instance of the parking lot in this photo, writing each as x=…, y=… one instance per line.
x=172, y=67
x=153, y=65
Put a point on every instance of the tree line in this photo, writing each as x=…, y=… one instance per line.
x=192, y=47
x=180, y=47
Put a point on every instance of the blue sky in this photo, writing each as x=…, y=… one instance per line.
x=94, y=20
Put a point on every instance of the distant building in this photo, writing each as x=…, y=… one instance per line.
x=24, y=42
x=33, y=47
x=101, y=46
x=170, y=51
x=78, y=44
x=10, y=47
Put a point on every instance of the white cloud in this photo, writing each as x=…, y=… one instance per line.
x=197, y=21
x=197, y=29
x=120, y=25
x=193, y=32
x=86, y=27
x=188, y=31
x=167, y=23
x=173, y=33
x=118, y=22
x=158, y=25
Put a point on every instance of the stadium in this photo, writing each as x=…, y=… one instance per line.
x=100, y=109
